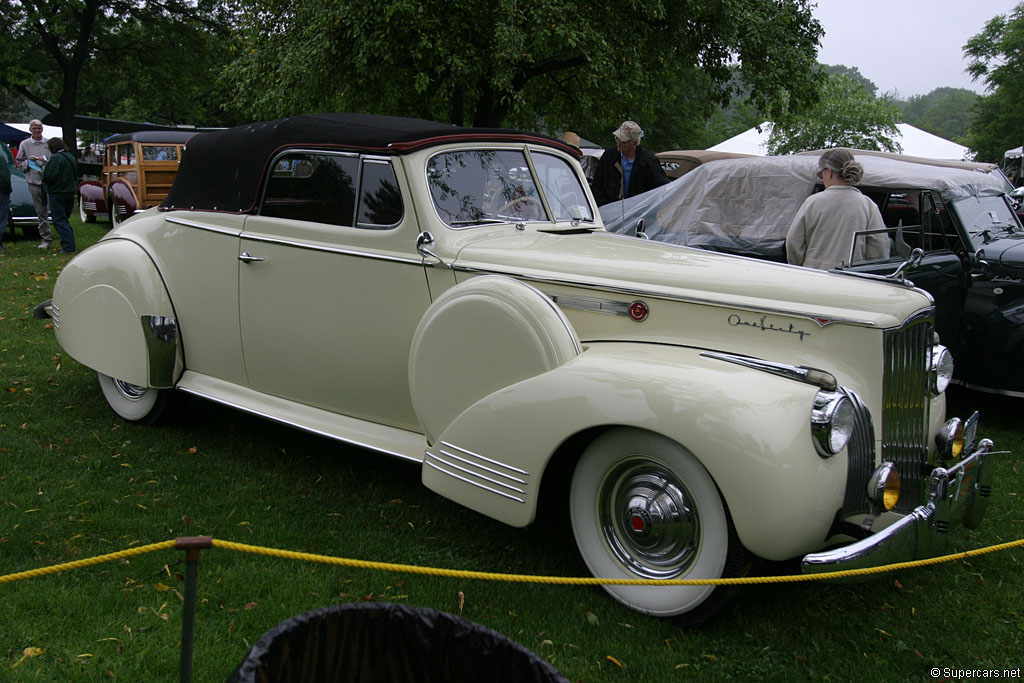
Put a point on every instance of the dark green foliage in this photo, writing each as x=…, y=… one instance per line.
x=997, y=58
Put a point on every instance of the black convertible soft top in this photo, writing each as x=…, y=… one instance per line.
x=222, y=170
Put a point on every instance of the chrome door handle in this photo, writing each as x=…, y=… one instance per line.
x=246, y=257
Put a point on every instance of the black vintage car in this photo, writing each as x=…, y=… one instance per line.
x=958, y=214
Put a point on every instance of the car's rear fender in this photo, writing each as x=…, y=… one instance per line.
x=750, y=430
x=93, y=197
x=112, y=313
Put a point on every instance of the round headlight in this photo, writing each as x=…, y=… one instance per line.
x=832, y=422
x=940, y=369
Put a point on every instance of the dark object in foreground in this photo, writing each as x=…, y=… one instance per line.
x=382, y=643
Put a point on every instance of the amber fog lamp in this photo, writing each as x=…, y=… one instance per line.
x=638, y=311
x=949, y=442
x=884, y=487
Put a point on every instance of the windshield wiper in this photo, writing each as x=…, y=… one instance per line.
x=478, y=221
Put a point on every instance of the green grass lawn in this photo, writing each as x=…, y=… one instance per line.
x=76, y=482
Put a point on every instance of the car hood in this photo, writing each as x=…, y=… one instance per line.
x=613, y=262
x=1008, y=252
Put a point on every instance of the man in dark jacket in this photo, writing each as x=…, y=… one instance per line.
x=627, y=169
x=60, y=175
x=5, y=197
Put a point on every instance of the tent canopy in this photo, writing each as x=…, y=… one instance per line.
x=9, y=134
x=914, y=141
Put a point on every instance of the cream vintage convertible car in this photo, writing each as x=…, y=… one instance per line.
x=449, y=296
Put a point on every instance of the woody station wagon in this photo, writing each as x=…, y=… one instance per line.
x=138, y=171
x=449, y=296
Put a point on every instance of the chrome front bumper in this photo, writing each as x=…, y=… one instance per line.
x=957, y=494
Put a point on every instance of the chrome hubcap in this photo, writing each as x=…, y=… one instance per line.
x=131, y=392
x=648, y=519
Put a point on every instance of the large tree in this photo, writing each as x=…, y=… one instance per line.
x=996, y=56
x=945, y=112
x=53, y=51
x=530, y=63
x=845, y=116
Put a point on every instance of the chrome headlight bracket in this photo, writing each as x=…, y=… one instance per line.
x=832, y=422
x=940, y=369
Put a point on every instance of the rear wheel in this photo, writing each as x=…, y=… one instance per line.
x=132, y=402
x=643, y=507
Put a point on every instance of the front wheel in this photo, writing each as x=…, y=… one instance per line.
x=131, y=402
x=643, y=507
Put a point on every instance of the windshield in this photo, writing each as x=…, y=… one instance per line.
x=476, y=187
x=987, y=218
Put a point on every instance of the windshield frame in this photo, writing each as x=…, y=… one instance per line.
x=979, y=236
x=538, y=185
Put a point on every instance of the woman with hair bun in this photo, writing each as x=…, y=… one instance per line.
x=821, y=235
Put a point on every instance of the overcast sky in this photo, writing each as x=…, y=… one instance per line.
x=910, y=46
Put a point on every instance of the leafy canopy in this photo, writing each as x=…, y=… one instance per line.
x=69, y=56
x=847, y=115
x=526, y=63
x=996, y=56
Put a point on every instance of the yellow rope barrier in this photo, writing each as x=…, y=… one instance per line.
x=492, y=576
x=77, y=564
x=590, y=581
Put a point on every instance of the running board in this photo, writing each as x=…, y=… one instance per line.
x=399, y=443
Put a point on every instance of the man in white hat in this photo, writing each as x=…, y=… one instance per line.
x=627, y=169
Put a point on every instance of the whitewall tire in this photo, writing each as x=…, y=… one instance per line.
x=131, y=402
x=643, y=507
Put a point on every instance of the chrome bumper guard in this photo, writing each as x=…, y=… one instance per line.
x=956, y=494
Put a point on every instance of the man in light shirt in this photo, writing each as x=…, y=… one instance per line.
x=32, y=155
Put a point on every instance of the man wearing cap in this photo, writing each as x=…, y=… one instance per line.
x=628, y=169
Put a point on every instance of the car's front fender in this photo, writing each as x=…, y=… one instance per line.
x=750, y=430
x=112, y=313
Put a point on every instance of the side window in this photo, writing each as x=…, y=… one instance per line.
x=307, y=186
x=380, y=200
x=159, y=153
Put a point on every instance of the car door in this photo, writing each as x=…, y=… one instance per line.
x=919, y=219
x=331, y=287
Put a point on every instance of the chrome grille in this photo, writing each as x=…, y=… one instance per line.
x=905, y=405
x=860, y=457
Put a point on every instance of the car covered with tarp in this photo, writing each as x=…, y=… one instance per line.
x=957, y=213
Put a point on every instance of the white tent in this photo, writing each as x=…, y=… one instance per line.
x=48, y=131
x=914, y=141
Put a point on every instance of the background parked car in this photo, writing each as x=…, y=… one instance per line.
x=677, y=163
x=138, y=171
x=958, y=213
